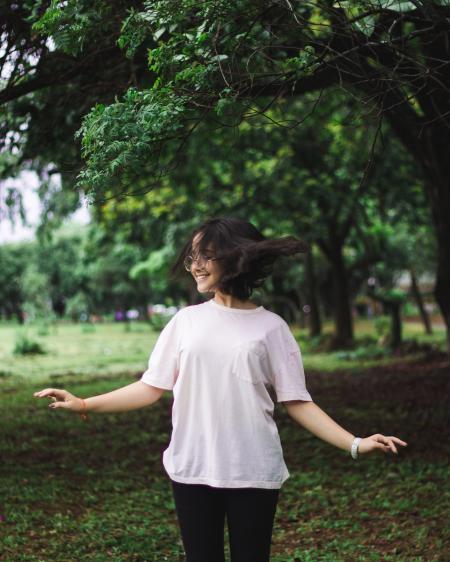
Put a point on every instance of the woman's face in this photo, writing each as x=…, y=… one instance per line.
x=206, y=273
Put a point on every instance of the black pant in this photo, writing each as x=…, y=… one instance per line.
x=201, y=511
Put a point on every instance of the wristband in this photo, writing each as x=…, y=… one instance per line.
x=83, y=414
x=355, y=445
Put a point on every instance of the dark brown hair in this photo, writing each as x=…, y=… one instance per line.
x=247, y=256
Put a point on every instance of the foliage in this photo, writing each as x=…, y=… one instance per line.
x=117, y=139
x=382, y=326
x=26, y=346
x=72, y=274
x=13, y=259
x=72, y=23
x=224, y=58
x=77, y=306
x=49, y=82
x=158, y=321
x=37, y=302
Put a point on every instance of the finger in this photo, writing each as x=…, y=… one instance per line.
x=39, y=393
x=385, y=440
x=392, y=446
x=50, y=392
x=59, y=393
x=44, y=392
x=381, y=447
x=398, y=441
x=391, y=440
x=58, y=405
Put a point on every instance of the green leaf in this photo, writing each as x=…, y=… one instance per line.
x=219, y=58
x=158, y=33
x=395, y=5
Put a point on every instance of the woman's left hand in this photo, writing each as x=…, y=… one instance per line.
x=381, y=443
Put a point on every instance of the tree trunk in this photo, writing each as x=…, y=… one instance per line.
x=299, y=316
x=290, y=310
x=315, y=324
x=436, y=164
x=419, y=301
x=392, y=307
x=341, y=298
x=429, y=146
x=396, y=324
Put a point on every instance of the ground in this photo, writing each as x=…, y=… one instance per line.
x=97, y=490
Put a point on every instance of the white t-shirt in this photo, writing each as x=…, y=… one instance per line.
x=224, y=365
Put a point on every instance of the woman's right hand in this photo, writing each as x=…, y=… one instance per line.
x=61, y=399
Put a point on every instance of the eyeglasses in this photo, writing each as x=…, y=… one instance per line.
x=189, y=260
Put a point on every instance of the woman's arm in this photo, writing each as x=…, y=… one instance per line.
x=131, y=397
x=315, y=420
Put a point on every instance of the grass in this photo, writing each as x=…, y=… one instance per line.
x=75, y=352
x=97, y=491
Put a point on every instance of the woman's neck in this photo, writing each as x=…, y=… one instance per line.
x=232, y=302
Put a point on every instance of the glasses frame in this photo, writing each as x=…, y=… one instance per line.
x=188, y=266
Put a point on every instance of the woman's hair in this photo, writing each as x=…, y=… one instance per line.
x=247, y=256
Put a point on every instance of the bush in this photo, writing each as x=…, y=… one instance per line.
x=26, y=346
x=382, y=326
x=77, y=307
x=158, y=321
x=363, y=352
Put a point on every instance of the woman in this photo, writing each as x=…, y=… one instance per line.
x=227, y=361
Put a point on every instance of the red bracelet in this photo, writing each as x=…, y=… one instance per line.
x=83, y=414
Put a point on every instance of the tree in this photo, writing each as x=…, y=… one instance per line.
x=13, y=262
x=314, y=183
x=48, y=84
x=59, y=261
x=307, y=183
x=228, y=61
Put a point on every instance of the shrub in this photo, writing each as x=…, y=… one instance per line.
x=382, y=326
x=26, y=346
x=158, y=321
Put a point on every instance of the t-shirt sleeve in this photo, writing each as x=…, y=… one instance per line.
x=286, y=365
x=163, y=363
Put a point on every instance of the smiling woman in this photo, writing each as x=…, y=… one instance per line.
x=205, y=268
x=232, y=257
x=227, y=361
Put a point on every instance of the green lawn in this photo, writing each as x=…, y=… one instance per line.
x=76, y=352
x=97, y=491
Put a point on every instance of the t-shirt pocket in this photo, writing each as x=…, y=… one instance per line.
x=250, y=361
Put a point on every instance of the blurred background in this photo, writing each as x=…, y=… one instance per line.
x=125, y=125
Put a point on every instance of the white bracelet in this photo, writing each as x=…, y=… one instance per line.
x=355, y=445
